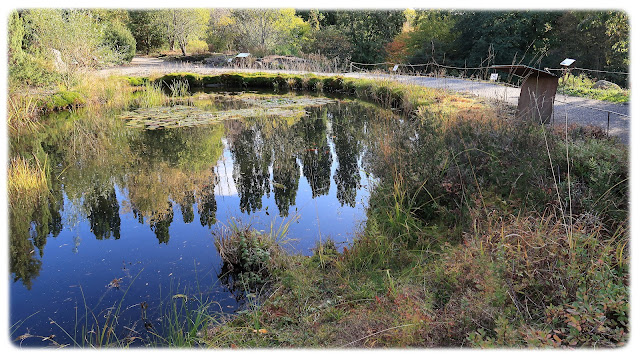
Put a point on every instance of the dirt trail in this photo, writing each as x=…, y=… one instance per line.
x=572, y=109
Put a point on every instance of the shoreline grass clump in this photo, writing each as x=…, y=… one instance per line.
x=249, y=257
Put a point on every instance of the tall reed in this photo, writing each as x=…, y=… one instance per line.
x=22, y=113
x=151, y=95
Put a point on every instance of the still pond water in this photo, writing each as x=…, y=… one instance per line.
x=132, y=210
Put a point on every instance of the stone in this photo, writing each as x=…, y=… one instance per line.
x=605, y=85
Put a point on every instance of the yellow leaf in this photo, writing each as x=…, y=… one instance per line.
x=262, y=331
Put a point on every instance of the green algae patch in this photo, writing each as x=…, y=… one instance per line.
x=285, y=101
x=266, y=100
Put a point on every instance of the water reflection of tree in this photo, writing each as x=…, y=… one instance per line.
x=104, y=213
x=88, y=154
x=207, y=205
x=24, y=265
x=31, y=221
x=285, y=144
x=347, y=130
x=316, y=154
x=29, y=228
x=260, y=143
x=175, y=165
x=160, y=224
x=286, y=175
x=186, y=206
x=251, y=168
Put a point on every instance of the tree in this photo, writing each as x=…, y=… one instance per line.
x=329, y=41
x=516, y=36
x=183, y=25
x=146, y=29
x=268, y=31
x=596, y=39
x=369, y=32
x=430, y=36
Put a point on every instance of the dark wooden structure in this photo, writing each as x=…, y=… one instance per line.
x=537, y=93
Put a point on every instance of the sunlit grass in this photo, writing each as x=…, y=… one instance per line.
x=582, y=86
x=22, y=112
x=26, y=181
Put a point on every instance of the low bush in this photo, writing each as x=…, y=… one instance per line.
x=121, y=42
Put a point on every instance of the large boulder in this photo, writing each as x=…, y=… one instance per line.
x=605, y=85
x=216, y=60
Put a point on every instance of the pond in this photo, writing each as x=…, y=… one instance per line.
x=135, y=198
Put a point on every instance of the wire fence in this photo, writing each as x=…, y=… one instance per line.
x=487, y=74
x=434, y=69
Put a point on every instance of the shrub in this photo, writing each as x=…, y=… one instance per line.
x=120, y=40
x=26, y=68
x=197, y=46
x=566, y=286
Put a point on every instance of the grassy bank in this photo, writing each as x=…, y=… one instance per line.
x=482, y=232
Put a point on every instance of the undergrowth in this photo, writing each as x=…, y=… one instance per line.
x=583, y=86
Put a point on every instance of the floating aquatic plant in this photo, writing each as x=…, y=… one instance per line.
x=286, y=101
x=187, y=116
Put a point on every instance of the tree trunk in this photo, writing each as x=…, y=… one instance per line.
x=183, y=47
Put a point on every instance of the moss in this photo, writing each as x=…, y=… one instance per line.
x=137, y=81
x=62, y=100
x=194, y=80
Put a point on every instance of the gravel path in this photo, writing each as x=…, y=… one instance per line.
x=578, y=110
